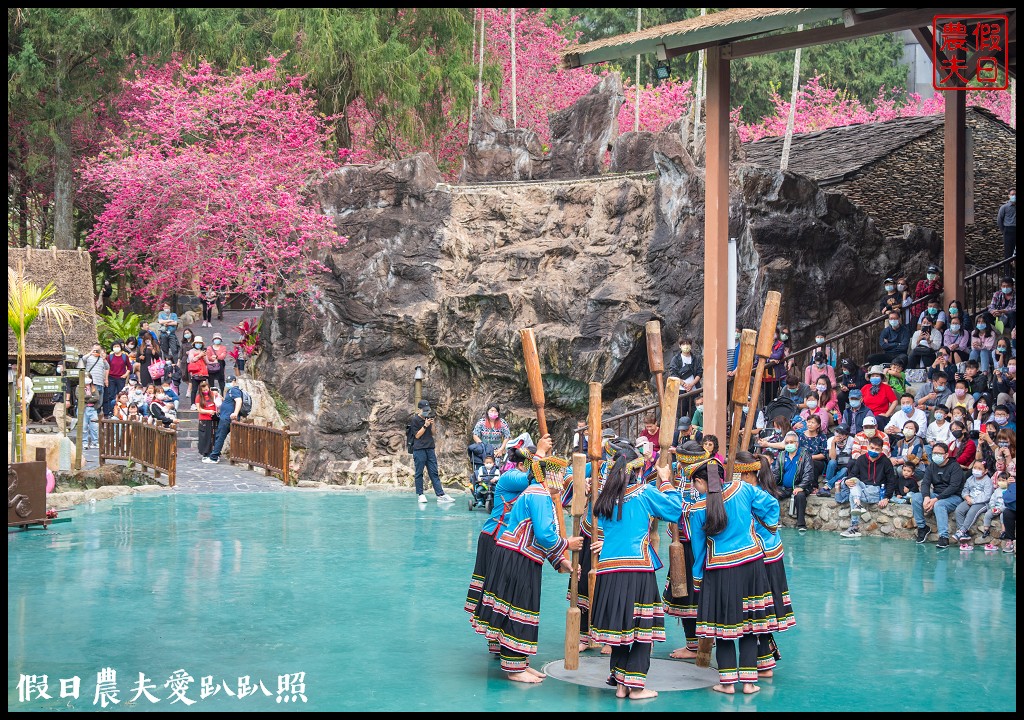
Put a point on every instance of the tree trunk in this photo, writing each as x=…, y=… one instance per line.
x=63, y=188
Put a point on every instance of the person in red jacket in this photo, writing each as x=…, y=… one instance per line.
x=879, y=397
x=962, y=448
x=931, y=284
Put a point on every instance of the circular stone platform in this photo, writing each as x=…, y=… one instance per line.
x=663, y=675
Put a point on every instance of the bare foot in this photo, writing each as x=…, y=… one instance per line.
x=606, y=649
x=538, y=673
x=727, y=689
x=682, y=654
x=621, y=691
x=642, y=694
x=524, y=677
x=765, y=673
x=584, y=646
x=750, y=688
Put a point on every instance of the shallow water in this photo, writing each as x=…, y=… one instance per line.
x=363, y=593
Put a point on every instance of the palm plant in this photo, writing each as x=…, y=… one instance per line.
x=26, y=302
x=117, y=326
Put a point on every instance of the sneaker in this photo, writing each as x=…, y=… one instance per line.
x=943, y=543
x=193, y=407
x=802, y=529
x=922, y=535
x=985, y=532
x=445, y=499
x=824, y=492
x=1008, y=546
x=991, y=547
x=966, y=544
x=850, y=532
x=862, y=511
x=206, y=459
x=422, y=499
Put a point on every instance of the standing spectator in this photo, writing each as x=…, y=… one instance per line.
x=93, y=402
x=932, y=284
x=422, y=426
x=794, y=476
x=579, y=437
x=879, y=397
x=207, y=417
x=840, y=456
x=855, y=415
x=216, y=361
x=983, y=342
x=119, y=368
x=208, y=298
x=168, y=322
x=229, y=410
x=105, y=294
x=197, y=371
x=97, y=368
x=863, y=438
x=150, y=354
x=831, y=357
x=819, y=368
x=893, y=340
x=906, y=298
x=940, y=493
x=933, y=394
x=924, y=344
x=775, y=370
x=687, y=367
x=892, y=299
x=1004, y=304
x=957, y=339
x=221, y=297
x=145, y=332
x=940, y=430
x=1006, y=220
x=491, y=431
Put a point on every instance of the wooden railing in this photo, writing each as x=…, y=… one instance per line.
x=630, y=424
x=981, y=285
x=148, y=445
x=261, y=446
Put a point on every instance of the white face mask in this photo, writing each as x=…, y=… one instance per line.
x=822, y=388
x=812, y=403
x=978, y=473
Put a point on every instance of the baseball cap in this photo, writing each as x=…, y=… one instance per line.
x=847, y=363
x=843, y=430
x=856, y=394
x=870, y=420
x=230, y=378
x=684, y=423
x=933, y=268
x=888, y=280
x=423, y=404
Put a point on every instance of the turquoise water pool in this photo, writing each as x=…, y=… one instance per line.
x=363, y=594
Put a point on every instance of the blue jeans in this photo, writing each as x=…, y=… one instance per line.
x=942, y=510
x=427, y=459
x=110, y=395
x=92, y=428
x=984, y=357
x=872, y=494
x=833, y=474
x=223, y=428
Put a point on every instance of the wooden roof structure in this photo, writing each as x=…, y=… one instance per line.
x=70, y=271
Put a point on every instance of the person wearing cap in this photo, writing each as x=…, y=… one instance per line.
x=931, y=285
x=229, y=411
x=1006, y=221
x=892, y=299
x=855, y=412
x=893, y=340
x=819, y=366
x=794, y=476
x=422, y=426
x=840, y=455
x=871, y=428
x=924, y=344
x=217, y=360
x=684, y=432
x=875, y=470
x=878, y=395
x=93, y=403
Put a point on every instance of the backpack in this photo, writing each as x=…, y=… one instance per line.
x=410, y=436
x=246, y=404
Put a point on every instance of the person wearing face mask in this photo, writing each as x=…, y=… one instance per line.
x=983, y=342
x=1001, y=356
x=491, y=435
x=892, y=299
x=120, y=369
x=879, y=397
x=931, y=285
x=940, y=494
x=982, y=414
x=831, y=356
x=909, y=447
x=794, y=475
x=1006, y=220
x=962, y=449
x=934, y=314
x=775, y=369
x=812, y=408
x=1004, y=304
x=908, y=412
x=863, y=438
x=819, y=367
x=924, y=344
x=856, y=412
x=196, y=365
x=795, y=391
x=957, y=339
x=939, y=429
x=687, y=367
x=933, y=394
x=997, y=509
x=876, y=472
x=1004, y=384
x=216, y=361
x=828, y=400
x=906, y=299
x=961, y=397
x=850, y=378
x=840, y=456
x=976, y=494
x=893, y=340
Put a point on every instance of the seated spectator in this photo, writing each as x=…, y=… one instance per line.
x=983, y=342
x=856, y=412
x=828, y=400
x=892, y=299
x=794, y=475
x=957, y=339
x=976, y=494
x=1002, y=355
x=1001, y=415
x=684, y=431
x=1004, y=385
x=650, y=431
x=961, y=397
x=849, y=378
x=959, y=414
x=910, y=446
x=933, y=313
x=908, y=481
x=1004, y=304
x=933, y=394
x=977, y=384
x=875, y=471
x=931, y=285
x=995, y=507
x=943, y=366
x=816, y=444
x=924, y=344
x=133, y=413
x=819, y=368
x=795, y=390
x=981, y=415
x=894, y=375
x=773, y=437
x=940, y=493
x=908, y=411
x=939, y=431
x=879, y=397
x=813, y=408
x=854, y=491
x=698, y=415
x=162, y=411
x=986, y=447
x=840, y=455
x=170, y=394
x=893, y=340
x=870, y=430
x=120, y=411
x=961, y=448
x=831, y=357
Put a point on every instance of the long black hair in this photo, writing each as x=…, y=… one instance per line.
x=765, y=476
x=715, y=521
x=615, y=486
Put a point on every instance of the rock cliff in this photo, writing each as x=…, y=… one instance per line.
x=443, y=277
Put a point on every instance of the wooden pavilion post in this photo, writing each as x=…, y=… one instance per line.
x=954, y=181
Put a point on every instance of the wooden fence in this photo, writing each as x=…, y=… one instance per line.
x=261, y=446
x=150, y=446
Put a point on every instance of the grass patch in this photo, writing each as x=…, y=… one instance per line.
x=279, y=403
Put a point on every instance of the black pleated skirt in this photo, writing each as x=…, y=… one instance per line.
x=627, y=609
x=484, y=549
x=783, y=608
x=509, y=609
x=735, y=601
x=583, y=588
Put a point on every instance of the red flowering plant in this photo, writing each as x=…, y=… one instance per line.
x=249, y=343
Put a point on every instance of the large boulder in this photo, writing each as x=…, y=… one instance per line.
x=583, y=133
x=498, y=152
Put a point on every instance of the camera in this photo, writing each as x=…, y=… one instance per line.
x=428, y=415
x=974, y=435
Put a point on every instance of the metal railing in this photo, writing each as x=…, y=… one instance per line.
x=630, y=424
x=262, y=446
x=981, y=285
x=152, y=447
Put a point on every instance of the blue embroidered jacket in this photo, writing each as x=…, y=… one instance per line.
x=531, y=527
x=509, y=486
x=627, y=542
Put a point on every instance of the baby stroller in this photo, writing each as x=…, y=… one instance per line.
x=482, y=484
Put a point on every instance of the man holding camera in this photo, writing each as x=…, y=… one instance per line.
x=422, y=426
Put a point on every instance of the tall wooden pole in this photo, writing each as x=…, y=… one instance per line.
x=573, y=615
x=656, y=356
x=954, y=183
x=594, y=450
x=740, y=396
x=765, y=340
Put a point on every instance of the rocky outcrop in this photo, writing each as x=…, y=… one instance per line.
x=497, y=152
x=444, y=277
x=582, y=133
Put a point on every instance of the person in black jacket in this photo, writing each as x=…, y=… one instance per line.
x=893, y=340
x=687, y=367
x=940, y=493
x=794, y=476
x=875, y=470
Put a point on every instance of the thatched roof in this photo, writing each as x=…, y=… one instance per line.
x=71, y=273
